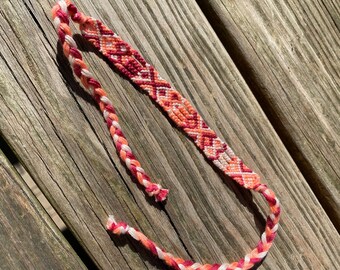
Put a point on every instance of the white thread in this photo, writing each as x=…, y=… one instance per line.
x=123, y=230
x=110, y=221
x=272, y=217
x=196, y=265
x=140, y=169
x=71, y=59
x=160, y=253
x=267, y=192
x=106, y=100
x=105, y=114
x=275, y=228
x=116, y=124
x=126, y=148
x=126, y=228
x=225, y=157
x=128, y=163
x=264, y=238
x=115, y=138
x=277, y=204
x=262, y=254
x=56, y=22
x=230, y=152
x=70, y=41
x=132, y=232
x=218, y=164
x=86, y=73
x=63, y=5
x=246, y=259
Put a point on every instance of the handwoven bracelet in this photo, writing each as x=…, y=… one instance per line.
x=134, y=66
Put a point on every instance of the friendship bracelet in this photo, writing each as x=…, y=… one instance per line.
x=130, y=63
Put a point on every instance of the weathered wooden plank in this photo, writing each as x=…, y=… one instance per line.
x=333, y=8
x=39, y=195
x=63, y=142
x=288, y=52
x=29, y=238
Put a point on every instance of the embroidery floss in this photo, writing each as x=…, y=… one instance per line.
x=130, y=63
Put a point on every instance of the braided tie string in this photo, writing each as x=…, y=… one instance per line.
x=61, y=21
x=135, y=67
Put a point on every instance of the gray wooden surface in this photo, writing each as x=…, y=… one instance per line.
x=60, y=138
x=288, y=52
x=29, y=239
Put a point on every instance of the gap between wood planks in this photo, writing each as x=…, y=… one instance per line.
x=256, y=85
x=290, y=247
x=13, y=159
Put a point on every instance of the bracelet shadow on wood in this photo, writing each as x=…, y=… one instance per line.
x=67, y=73
x=244, y=196
x=138, y=248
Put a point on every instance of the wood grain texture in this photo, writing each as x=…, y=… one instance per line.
x=39, y=195
x=29, y=238
x=288, y=52
x=61, y=139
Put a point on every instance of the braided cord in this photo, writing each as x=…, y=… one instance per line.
x=134, y=66
x=61, y=21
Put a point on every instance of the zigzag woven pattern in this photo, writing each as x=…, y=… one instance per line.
x=135, y=67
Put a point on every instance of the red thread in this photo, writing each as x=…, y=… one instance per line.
x=135, y=67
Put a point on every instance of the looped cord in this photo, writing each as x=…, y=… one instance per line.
x=138, y=71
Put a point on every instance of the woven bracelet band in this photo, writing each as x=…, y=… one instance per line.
x=130, y=63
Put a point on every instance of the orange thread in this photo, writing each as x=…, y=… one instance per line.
x=133, y=65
